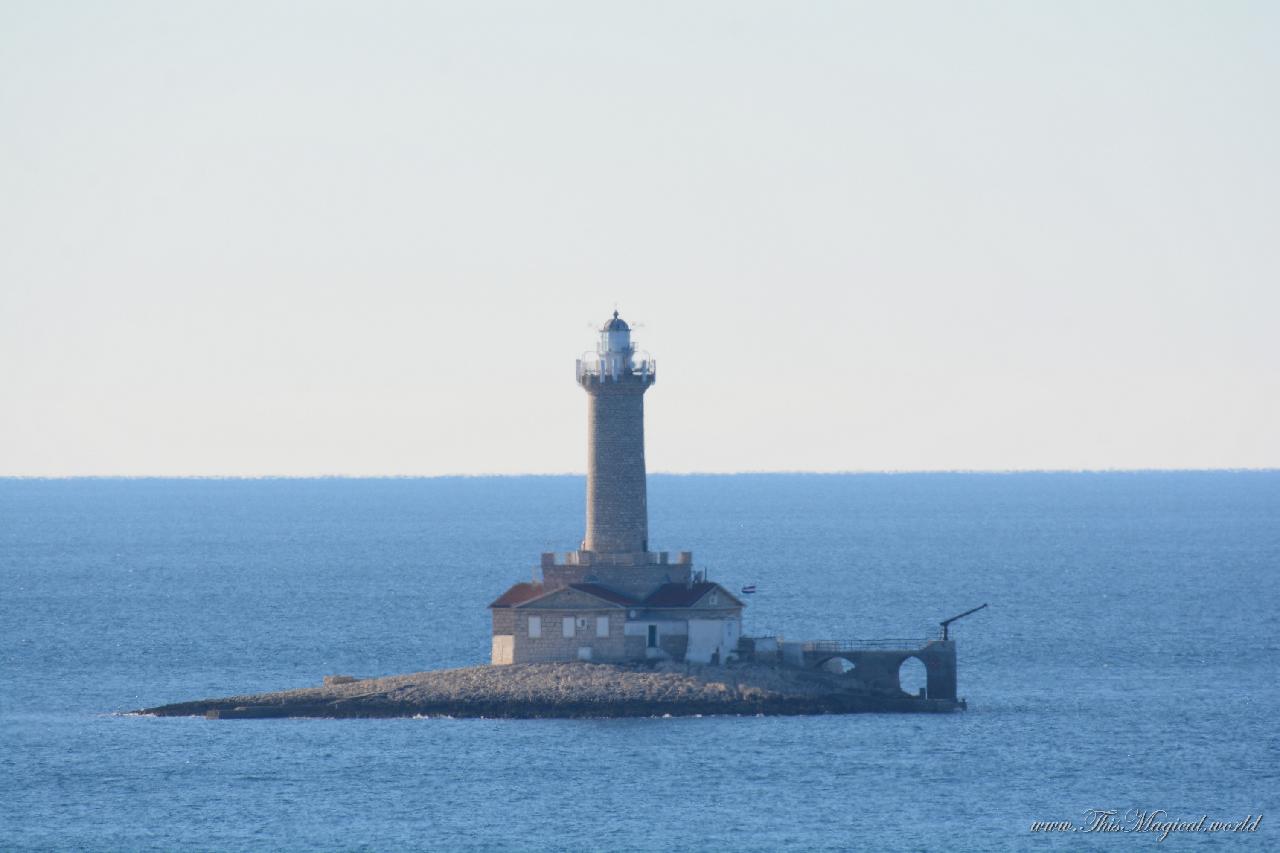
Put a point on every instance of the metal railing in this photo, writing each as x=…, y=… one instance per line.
x=864, y=645
x=646, y=369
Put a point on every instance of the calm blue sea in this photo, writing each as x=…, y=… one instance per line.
x=1129, y=659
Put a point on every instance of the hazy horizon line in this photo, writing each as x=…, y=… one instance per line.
x=548, y=474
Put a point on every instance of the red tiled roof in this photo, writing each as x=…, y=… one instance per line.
x=518, y=594
x=604, y=592
x=680, y=595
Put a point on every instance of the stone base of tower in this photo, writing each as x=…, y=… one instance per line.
x=636, y=574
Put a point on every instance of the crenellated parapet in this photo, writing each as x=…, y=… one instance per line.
x=635, y=573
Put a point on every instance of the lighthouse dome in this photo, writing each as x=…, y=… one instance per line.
x=617, y=324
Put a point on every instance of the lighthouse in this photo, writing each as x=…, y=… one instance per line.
x=615, y=382
x=613, y=599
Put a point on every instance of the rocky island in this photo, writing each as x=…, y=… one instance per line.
x=618, y=629
x=572, y=689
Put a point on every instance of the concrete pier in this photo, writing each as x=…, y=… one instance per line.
x=877, y=664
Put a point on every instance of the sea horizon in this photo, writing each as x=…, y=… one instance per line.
x=739, y=473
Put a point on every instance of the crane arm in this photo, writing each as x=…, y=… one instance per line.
x=946, y=622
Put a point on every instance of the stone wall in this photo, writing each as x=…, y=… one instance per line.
x=504, y=620
x=880, y=668
x=554, y=646
x=675, y=645
x=617, y=509
x=636, y=581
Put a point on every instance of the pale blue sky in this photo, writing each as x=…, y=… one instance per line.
x=369, y=238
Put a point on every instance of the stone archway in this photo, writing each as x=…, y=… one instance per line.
x=838, y=665
x=882, y=669
x=913, y=676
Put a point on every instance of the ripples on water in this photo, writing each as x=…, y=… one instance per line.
x=1128, y=659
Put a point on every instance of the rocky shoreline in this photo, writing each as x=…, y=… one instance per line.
x=572, y=690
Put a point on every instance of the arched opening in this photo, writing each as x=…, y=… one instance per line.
x=839, y=666
x=912, y=676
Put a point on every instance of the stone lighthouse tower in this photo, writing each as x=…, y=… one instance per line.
x=613, y=599
x=617, y=510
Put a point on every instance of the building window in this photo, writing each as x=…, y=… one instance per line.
x=567, y=628
x=535, y=626
x=602, y=626
x=653, y=636
x=714, y=599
